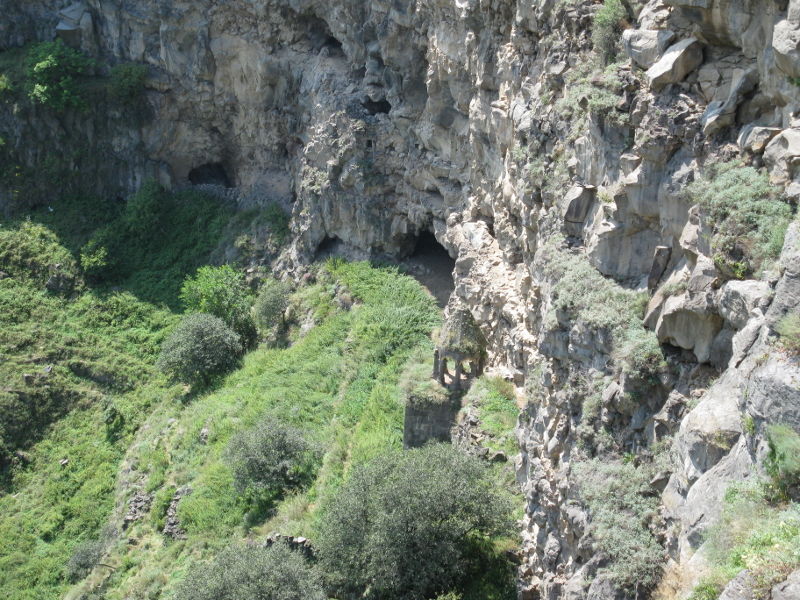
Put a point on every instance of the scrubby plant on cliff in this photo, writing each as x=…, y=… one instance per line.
x=31, y=252
x=783, y=460
x=751, y=534
x=747, y=216
x=789, y=330
x=201, y=348
x=622, y=508
x=253, y=571
x=581, y=293
x=127, y=82
x=54, y=70
x=222, y=292
x=607, y=28
x=411, y=525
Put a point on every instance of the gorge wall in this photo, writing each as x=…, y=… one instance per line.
x=539, y=166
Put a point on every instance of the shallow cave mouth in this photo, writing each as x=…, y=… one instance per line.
x=210, y=174
x=431, y=265
x=376, y=107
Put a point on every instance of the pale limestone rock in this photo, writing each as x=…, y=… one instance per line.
x=678, y=61
x=786, y=45
x=645, y=47
x=755, y=139
x=737, y=300
x=782, y=154
x=789, y=589
x=739, y=588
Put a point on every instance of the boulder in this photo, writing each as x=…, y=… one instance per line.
x=722, y=113
x=739, y=588
x=789, y=589
x=680, y=324
x=786, y=46
x=737, y=299
x=678, y=61
x=755, y=139
x=781, y=155
x=645, y=46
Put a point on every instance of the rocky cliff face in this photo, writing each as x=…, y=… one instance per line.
x=496, y=126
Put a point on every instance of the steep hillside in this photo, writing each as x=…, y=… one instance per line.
x=616, y=182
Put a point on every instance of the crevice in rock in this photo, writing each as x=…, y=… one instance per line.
x=210, y=174
x=375, y=107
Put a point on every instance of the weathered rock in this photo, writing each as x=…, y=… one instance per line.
x=737, y=299
x=786, y=45
x=739, y=588
x=755, y=139
x=678, y=61
x=644, y=46
x=782, y=154
x=789, y=589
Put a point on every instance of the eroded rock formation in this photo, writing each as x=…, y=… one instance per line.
x=484, y=123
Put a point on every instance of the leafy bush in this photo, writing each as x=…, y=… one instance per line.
x=406, y=525
x=200, y=348
x=789, y=330
x=622, y=506
x=271, y=304
x=239, y=572
x=127, y=82
x=53, y=69
x=271, y=457
x=222, y=292
x=84, y=559
x=746, y=214
x=606, y=28
x=783, y=459
x=31, y=252
x=6, y=87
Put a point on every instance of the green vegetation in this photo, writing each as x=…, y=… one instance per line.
x=783, y=460
x=126, y=84
x=271, y=304
x=411, y=525
x=583, y=294
x=789, y=330
x=592, y=90
x=607, y=28
x=496, y=407
x=416, y=381
x=622, y=506
x=746, y=214
x=222, y=292
x=752, y=534
x=53, y=70
x=270, y=458
x=200, y=349
x=239, y=572
x=32, y=253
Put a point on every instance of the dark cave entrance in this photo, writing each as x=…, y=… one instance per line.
x=431, y=265
x=330, y=246
x=210, y=174
x=374, y=108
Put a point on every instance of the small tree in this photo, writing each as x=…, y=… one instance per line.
x=606, y=28
x=407, y=525
x=53, y=68
x=253, y=572
x=200, y=348
x=271, y=303
x=127, y=82
x=270, y=457
x=222, y=292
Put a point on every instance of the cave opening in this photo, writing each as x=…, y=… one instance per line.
x=210, y=174
x=320, y=36
x=431, y=264
x=328, y=247
x=376, y=107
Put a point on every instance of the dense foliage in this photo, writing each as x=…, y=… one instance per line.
x=783, y=460
x=409, y=525
x=53, y=70
x=271, y=304
x=253, y=573
x=200, y=348
x=222, y=292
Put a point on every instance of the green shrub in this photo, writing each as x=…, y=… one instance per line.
x=495, y=402
x=222, y=292
x=270, y=458
x=607, y=27
x=127, y=82
x=84, y=559
x=406, y=524
x=622, y=506
x=789, y=330
x=31, y=252
x=278, y=221
x=200, y=348
x=746, y=214
x=239, y=572
x=783, y=460
x=6, y=87
x=53, y=70
x=271, y=304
